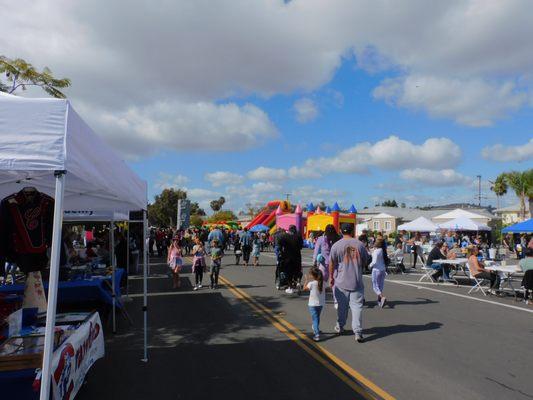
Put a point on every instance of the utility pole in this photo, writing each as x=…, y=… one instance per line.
x=287, y=196
x=479, y=190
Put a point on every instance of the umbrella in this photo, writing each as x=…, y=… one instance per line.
x=259, y=228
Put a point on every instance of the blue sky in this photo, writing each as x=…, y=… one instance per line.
x=348, y=114
x=345, y=100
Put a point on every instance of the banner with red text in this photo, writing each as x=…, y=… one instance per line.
x=75, y=356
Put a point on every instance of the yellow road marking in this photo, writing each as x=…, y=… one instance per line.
x=319, y=353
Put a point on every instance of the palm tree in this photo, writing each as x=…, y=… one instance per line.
x=499, y=187
x=522, y=184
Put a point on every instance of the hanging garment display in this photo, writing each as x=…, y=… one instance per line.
x=26, y=222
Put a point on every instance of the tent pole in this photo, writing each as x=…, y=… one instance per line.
x=128, y=260
x=145, y=283
x=113, y=288
x=52, y=286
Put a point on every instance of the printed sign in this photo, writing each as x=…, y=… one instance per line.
x=75, y=356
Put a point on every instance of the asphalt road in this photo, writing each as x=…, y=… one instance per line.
x=247, y=340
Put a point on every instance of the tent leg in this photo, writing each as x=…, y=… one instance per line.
x=52, y=286
x=128, y=260
x=145, y=288
x=113, y=287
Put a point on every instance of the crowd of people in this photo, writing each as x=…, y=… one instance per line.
x=339, y=261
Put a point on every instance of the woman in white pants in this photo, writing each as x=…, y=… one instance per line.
x=378, y=271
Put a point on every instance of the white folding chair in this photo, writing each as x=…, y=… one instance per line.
x=477, y=283
x=428, y=272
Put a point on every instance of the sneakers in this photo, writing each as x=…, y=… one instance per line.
x=382, y=301
x=195, y=288
x=359, y=338
x=316, y=338
x=200, y=286
x=289, y=290
x=338, y=329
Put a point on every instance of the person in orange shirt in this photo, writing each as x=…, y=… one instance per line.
x=477, y=269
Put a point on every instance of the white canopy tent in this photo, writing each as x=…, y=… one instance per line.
x=45, y=144
x=459, y=212
x=463, y=224
x=421, y=224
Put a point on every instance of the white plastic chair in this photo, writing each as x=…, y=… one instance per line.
x=428, y=272
x=477, y=283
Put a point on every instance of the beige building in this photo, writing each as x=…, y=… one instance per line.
x=511, y=215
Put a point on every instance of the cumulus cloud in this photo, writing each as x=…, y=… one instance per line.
x=223, y=178
x=440, y=178
x=266, y=187
x=267, y=174
x=472, y=102
x=305, y=194
x=167, y=181
x=187, y=126
x=502, y=153
x=303, y=173
x=135, y=55
x=392, y=153
x=305, y=109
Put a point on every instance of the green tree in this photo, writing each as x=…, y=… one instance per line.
x=163, y=211
x=222, y=216
x=196, y=220
x=216, y=205
x=499, y=187
x=20, y=74
x=389, y=203
x=522, y=185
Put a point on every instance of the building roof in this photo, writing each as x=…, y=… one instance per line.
x=513, y=208
x=384, y=215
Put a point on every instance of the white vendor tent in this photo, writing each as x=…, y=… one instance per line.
x=45, y=144
x=421, y=224
x=94, y=216
x=463, y=224
x=457, y=213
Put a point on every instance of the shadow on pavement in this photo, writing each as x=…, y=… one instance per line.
x=380, y=332
x=394, y=303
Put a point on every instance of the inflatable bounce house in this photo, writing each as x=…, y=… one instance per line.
x=284, y=220
x=318, y=220
x=267, y=216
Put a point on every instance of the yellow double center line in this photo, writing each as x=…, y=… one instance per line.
x=356, y=381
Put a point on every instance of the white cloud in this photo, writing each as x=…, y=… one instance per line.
x=309, y=193
x=392, y=153
x=187, y=126
x=222, y=178
x=474, y=102
x=135, y=54
x=267, y=174
x=167, y=181
x=502, y=153
x=440, y=178
x=266, y=187
x=306, y=110
x=303, y=173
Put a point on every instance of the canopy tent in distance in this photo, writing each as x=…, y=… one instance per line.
x=463, y=224
x=45, y=144
x=421, y=224
x=521, y=227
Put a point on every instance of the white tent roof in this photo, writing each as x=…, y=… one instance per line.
x=421, y=224
x=94, y=216
x=458, y=212
x=40, y=136
x=463, y=224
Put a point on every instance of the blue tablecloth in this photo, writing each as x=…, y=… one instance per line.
x=97, y=288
